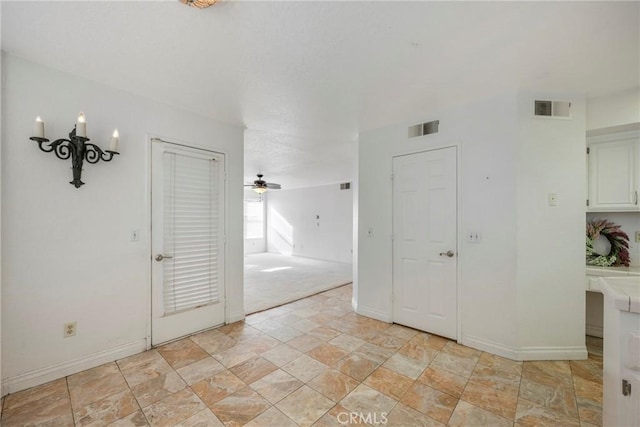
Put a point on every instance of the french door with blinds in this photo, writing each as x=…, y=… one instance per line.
x=187, y=240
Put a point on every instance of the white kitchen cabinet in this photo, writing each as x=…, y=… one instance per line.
x=614, y=172
x=621, y=371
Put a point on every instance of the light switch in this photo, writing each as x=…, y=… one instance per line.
x=553, y=199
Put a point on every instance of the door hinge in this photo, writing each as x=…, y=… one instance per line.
x=626, y=388
x=392, y=176
x=587, y=202
x=588, y=150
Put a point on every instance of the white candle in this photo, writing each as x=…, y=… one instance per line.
x=38, y=128
x=114, y=141
x=81, y=126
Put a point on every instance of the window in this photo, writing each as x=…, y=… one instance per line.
x=253, y=219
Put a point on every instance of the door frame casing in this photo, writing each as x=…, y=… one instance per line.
x=459, y=241
x=149, y=225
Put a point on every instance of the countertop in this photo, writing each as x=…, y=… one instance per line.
x=624, y=292
x=593, y=270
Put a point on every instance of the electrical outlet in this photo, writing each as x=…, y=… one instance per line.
x=69, y=329
x=637, y=236
x=135, y=235
x=474, y=237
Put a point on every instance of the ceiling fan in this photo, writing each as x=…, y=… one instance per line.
x=260, y=186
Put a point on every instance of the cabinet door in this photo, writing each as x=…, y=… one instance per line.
x=613, y=173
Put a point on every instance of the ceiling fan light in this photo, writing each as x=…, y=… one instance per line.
x=260, y=190
x=200, y=4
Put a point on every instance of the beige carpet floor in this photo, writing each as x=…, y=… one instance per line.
x=273, y=279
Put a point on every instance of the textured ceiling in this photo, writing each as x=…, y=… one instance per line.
x=305, y=77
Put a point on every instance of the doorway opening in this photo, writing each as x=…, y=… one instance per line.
x=297, y=243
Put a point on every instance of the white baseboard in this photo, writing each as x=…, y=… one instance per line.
x=526, y=353
x=236, y=317
x=61, y=370
x=594, y=331
x=489, y=347
x=553, y=353
x=375, y=314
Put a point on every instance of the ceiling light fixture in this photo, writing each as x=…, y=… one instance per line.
x=261, y=186
x=200, y=4
x=260, y=190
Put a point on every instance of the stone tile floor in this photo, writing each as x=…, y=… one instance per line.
x=316, y=362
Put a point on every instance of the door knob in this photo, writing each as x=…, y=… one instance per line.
x=160, y=257
x=448, y=253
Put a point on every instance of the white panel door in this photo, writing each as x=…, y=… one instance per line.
x=187, y=240
x=424, y=241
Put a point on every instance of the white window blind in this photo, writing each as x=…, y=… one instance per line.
x=191, y=231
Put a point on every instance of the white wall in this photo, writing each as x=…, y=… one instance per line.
x=293, y=227
x=551, y=267
x=355, y=189
x=1, y=85
x=66, y=251
x=255, y=245
x=486, y=132
x=613, y=110
x=492, y=142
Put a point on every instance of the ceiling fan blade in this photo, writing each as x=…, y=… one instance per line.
x=274, y=186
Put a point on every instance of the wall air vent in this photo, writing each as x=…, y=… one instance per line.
x=552, y=109
x=424, y=128
x=345, y=186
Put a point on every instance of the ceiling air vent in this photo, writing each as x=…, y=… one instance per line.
x=345, y=186
x=423, y=128
x=552, y=109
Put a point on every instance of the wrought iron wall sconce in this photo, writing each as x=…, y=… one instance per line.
x=77, y=147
